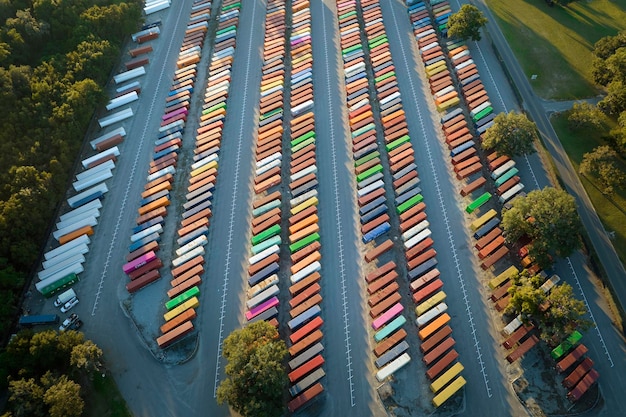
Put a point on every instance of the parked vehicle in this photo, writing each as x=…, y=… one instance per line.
x=64, y=297
x=69, y=305
x=68, y=321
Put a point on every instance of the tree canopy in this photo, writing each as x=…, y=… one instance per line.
x=55, y=58
x=603, y=164
x=556, y=313
x=39, y=371
x=256, y=375
x=585, y=116
x=549, y=218
x=512, y=134
x=466, y=23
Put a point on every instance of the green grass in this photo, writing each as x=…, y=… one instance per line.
x=610, y=210
x=555, y=43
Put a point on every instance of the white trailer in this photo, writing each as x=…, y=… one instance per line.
x=156, y=7
x=79, y=217
x=122, y=77
x=108, y=165
x=80, y=185
x=84, y=239
x=392, y=367
x=157, y=228
x=79, y=199
x=48, y=272
x=95, y=204
x=76, y=250
x=122, y=100
x=118, y=131
x=73, y=269
x=199, y=241
x=189, y=255
x=115, y=117
x=89, y=221
x=111, y=151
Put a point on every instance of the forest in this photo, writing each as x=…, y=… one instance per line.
x=55, y=59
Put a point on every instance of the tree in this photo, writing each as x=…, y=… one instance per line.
x=585, y=116
x=86, y=356
x=602, y=163
x=549, y=218
x=256, y=376
x=512, y=134
x=564, y=315
x=526, y=295
x=63, y=398
x=26, y=395
x=466, y=23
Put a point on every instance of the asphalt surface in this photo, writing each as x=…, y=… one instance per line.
x=154, y=389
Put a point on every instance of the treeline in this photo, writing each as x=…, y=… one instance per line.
x=45, y=373
x=55, y=58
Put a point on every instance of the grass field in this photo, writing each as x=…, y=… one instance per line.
x=612, y=210
x=555, y=43
x=103, y=399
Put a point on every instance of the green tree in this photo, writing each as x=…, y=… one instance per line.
x=526, y=295
x=466, y=23
x=86, y=355
x=602, y=163
x=549, y=218
x=566, y=314
x=63, y=398
x=256, y=376
x=26, y=398
x=585, y=116
x=512, y=134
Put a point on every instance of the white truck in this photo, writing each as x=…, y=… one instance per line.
x=64, y=297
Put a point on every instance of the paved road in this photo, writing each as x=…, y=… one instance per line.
x=350, y=383
x=605, y=342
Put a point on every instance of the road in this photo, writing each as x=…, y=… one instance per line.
x=605, y=342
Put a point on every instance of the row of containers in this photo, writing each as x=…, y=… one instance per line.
x=142, y=263
x=187, y=268
x=463, y=140
x=305, y=348
x=63, y=264
x=372, y=154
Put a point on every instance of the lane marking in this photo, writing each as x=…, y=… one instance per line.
x=233, y=206
x=138, y=154
x=457, y=263
x=342, y=267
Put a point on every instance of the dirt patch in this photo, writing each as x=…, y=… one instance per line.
x=539, y=388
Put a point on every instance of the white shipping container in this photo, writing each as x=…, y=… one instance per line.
x=370, y=188
x=79, y=217
x=111, y=151
x=115, y=117
x=305, y=272
x=262, y=296
x=156, y=7
x=264, y=254
x=502, y=169
x=199, y=241
x=167, y=170
x=512, y=326
x=415, y=230
x=157, y=228
x=431, y=314
x=265, y=168
x=48, y=272
x=177, y=123
x=267, y=160
x=128, y=86
x=108, y=165
x=417, y=238
x=102, y=188
x=154, y=29
x=311, y=169
x=118, y=131
x=204, y=161
x=76, y=250
x=94, y=204
x=122, y=100
x=392, y=367
x=73, y=269
x=129, y=75
x=187, y=256
x=58, y=251
x=89, y=221
x=93, y=180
